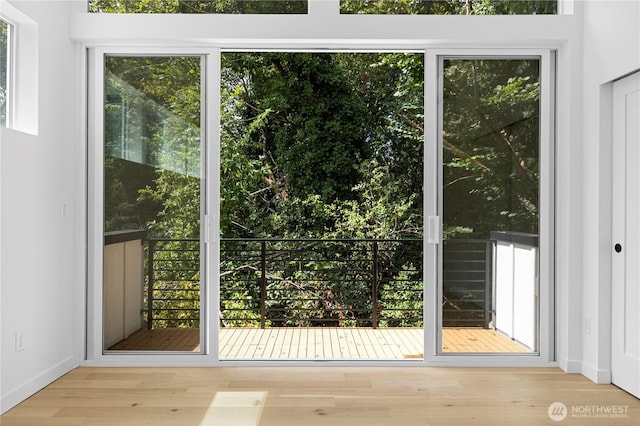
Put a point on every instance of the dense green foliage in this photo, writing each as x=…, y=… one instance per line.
x=332, y=138
x=318, y=145
x=323, y=146
x=388, y=7
x=199, y=6
x=449, y=7
x=490, y=141
x=312, y=145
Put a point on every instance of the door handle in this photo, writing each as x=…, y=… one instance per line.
x=433, y=230
x=617, y=247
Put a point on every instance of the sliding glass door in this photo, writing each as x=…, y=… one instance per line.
x=492, y=210
x=315, y=205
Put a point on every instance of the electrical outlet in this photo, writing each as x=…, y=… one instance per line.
x=19, y=342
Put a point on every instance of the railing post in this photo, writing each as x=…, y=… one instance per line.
x=150, y=283
x=263, y=283
x=374, y=287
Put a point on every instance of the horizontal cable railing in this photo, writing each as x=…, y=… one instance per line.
x=467, y=282
x=317, y=282
x=289, y=282
x=173, y=283
x=292, y=282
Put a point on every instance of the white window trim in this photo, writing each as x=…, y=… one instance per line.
x=23, y=82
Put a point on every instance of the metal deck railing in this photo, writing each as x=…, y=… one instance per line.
x=318, y=282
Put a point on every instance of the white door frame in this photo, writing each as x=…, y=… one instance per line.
x=210, y=231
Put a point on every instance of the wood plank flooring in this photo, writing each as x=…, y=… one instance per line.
x=320, y=342
x=332, y=396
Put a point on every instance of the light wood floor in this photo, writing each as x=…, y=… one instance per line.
x=309, y=396
x=321, y=342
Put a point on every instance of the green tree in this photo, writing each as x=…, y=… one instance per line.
x=491, y=147
x=311, y=121
x=269, y=99
x=320, y=125
x=449, y=7
x=331, y=146
x=199, y=6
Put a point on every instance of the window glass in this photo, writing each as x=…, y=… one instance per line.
x=200, y=6
x=490, y=152
x=152, y=186
x=449, y=7
x=4, y=71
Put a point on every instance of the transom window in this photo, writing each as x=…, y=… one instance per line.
x=367, y=7
x=246, y=7
x=5, y=32
x=450, y=7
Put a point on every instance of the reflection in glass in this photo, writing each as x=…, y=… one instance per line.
x=490, y=142
x=152, y=203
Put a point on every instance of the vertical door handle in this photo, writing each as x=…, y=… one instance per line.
x=433, y=231
x=208, y=228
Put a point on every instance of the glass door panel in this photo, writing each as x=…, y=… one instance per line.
x=490, y=205
x=152, y=203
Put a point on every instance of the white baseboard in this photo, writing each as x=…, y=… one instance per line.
x=16, y=396
x=570, y=366
x=596, y=375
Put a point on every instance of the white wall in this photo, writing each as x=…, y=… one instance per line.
x=41, y=254
x=611, y=50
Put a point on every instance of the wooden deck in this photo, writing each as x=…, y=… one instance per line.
x=472, y=339
x=320, y=342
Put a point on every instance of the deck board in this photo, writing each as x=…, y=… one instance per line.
x=321, y=342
